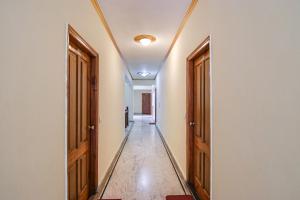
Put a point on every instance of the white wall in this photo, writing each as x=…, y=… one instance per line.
x=255, y=94
x=137, y=100
x=143, y=82
x=33, y=89
x=153, y=98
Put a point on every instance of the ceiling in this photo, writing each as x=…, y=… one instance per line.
x=128, y=18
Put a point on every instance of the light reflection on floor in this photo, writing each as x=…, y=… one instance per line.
x=144, y=171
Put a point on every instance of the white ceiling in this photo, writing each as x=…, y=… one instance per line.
x=128, y=18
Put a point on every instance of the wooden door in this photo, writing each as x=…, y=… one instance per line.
x=146, y=103
x=78, y=123
x=202, y=125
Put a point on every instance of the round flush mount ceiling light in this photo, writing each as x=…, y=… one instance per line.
x=145, y=40
x=144, y=74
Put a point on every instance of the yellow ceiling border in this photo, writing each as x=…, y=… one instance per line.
x=179, y=30
x=108, y=30
x=182, y=24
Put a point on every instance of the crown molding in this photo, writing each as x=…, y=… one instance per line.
x=100, y=13
x=179, y=30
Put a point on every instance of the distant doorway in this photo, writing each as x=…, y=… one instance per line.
x=146, y=104
x=198, y=121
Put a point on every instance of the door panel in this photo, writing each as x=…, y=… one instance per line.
x=72, y=179
x=201, y=128
x=197, y=100
x=78, y=122
x=73, y=61
x=207, y=102
x=83, y=171
x=206, y=168
x=84, y=103
x=198, y=168
x=83, y=177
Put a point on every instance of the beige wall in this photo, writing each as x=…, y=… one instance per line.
x=32, y=94
x=255, y=93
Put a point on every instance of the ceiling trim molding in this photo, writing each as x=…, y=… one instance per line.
x=109, y=32
x=139, y=79
x=180, y=29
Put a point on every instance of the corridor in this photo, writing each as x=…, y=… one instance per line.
x=150, y=100
x=144, y=170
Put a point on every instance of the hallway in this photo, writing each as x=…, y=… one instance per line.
x=219, y=81
x=144, y=170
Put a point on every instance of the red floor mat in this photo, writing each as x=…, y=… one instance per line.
x=179, y=197
x=111, y=199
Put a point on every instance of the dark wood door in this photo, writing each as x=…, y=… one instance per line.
x=201, y=125
x=78, y=123
x=146, y=103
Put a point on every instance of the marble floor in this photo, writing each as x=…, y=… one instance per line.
x=144, y=170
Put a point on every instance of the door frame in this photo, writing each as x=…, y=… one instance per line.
x=76, y=39
x=205, y=45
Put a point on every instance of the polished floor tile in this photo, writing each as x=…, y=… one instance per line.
x=144, y=170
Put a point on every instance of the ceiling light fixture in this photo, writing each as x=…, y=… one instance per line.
x=145, y=40
x=144, y=74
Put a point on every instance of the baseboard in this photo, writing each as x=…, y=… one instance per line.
x=109, y=172
x=101, y=189
x=185, y=186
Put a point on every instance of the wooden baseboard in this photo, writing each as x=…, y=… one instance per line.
x=109, y=172
x=185, y=186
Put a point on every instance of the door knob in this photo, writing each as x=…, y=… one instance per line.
x=92, y=127
x=192, y=123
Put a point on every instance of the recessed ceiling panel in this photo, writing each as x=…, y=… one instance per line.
x=129, y=18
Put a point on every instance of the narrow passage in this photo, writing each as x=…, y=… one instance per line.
x=144, y=170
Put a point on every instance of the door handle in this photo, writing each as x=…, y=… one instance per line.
x=92, y=127
x=192, y=123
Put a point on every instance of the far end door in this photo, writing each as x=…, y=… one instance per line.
x=146, y=103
